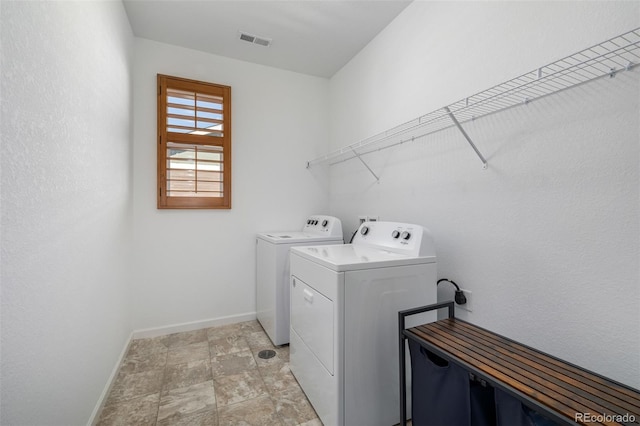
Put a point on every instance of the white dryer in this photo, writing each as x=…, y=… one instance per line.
x=344, y=319
x=272, y=270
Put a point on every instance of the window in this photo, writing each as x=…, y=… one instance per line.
x=194, y=144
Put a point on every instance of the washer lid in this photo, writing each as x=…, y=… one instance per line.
x=296, y=237
x=353, y=257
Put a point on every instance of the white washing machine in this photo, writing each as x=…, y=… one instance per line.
x=272, y=270
x=344, y=319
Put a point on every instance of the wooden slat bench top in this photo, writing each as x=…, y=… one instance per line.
x=579, y=395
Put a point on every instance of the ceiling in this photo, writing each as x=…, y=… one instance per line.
x=310, y=37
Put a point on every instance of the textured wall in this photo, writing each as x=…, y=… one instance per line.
x=66, y=206
x=195, y=266
x=547, y=237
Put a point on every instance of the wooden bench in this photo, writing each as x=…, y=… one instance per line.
x=560, y=391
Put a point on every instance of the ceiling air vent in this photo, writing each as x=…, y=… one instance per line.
x=262, y=41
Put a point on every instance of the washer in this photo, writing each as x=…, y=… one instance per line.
x=272, y=270
x=344, y=319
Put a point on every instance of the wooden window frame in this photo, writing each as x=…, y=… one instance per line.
x=164, y=136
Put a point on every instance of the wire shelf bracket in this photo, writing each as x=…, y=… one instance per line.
x=359, y=157
x=606, y=59
x=466, y=136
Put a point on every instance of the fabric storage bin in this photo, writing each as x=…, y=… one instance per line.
x=439, y=390
x=482, y=400
x=511, y=412
x=443, y=394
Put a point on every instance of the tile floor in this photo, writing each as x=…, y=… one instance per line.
x=210, y=377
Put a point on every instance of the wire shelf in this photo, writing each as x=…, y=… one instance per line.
x=606, y=59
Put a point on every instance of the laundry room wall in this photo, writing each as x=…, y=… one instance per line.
x=66, y=207
x=546, y=238
x=194, y=268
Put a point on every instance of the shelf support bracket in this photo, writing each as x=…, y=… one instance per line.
x=466, y=136
x=365, y=164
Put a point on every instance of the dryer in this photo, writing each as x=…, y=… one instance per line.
x=272, y=270
x=344, y=319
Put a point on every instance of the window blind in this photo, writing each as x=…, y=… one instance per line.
x=194, y=171
x=194, y=113
x=194, y=144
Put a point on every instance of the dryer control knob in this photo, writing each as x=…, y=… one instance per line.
x=364, y=230
x=395, y=234
x=405, y=235
x=325, y=223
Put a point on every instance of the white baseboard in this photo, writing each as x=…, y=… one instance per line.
x=95, y=416
x=190, y=326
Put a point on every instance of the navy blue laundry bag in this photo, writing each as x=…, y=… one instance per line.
x=511, y=412
x=444, y=395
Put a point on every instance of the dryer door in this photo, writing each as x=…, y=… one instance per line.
x=312, y=319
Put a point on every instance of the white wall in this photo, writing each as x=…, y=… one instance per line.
x=66, y=206
x=199, y=265
x=547, y=238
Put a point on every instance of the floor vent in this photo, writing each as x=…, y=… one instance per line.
x=266, y=354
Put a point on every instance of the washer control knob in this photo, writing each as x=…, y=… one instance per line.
x=395, y=234
x=315, y=222
x=325, y=223
x=406, y=235
x=364, y=230
x=309, y=222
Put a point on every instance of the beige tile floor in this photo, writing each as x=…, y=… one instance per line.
x=210, y=377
